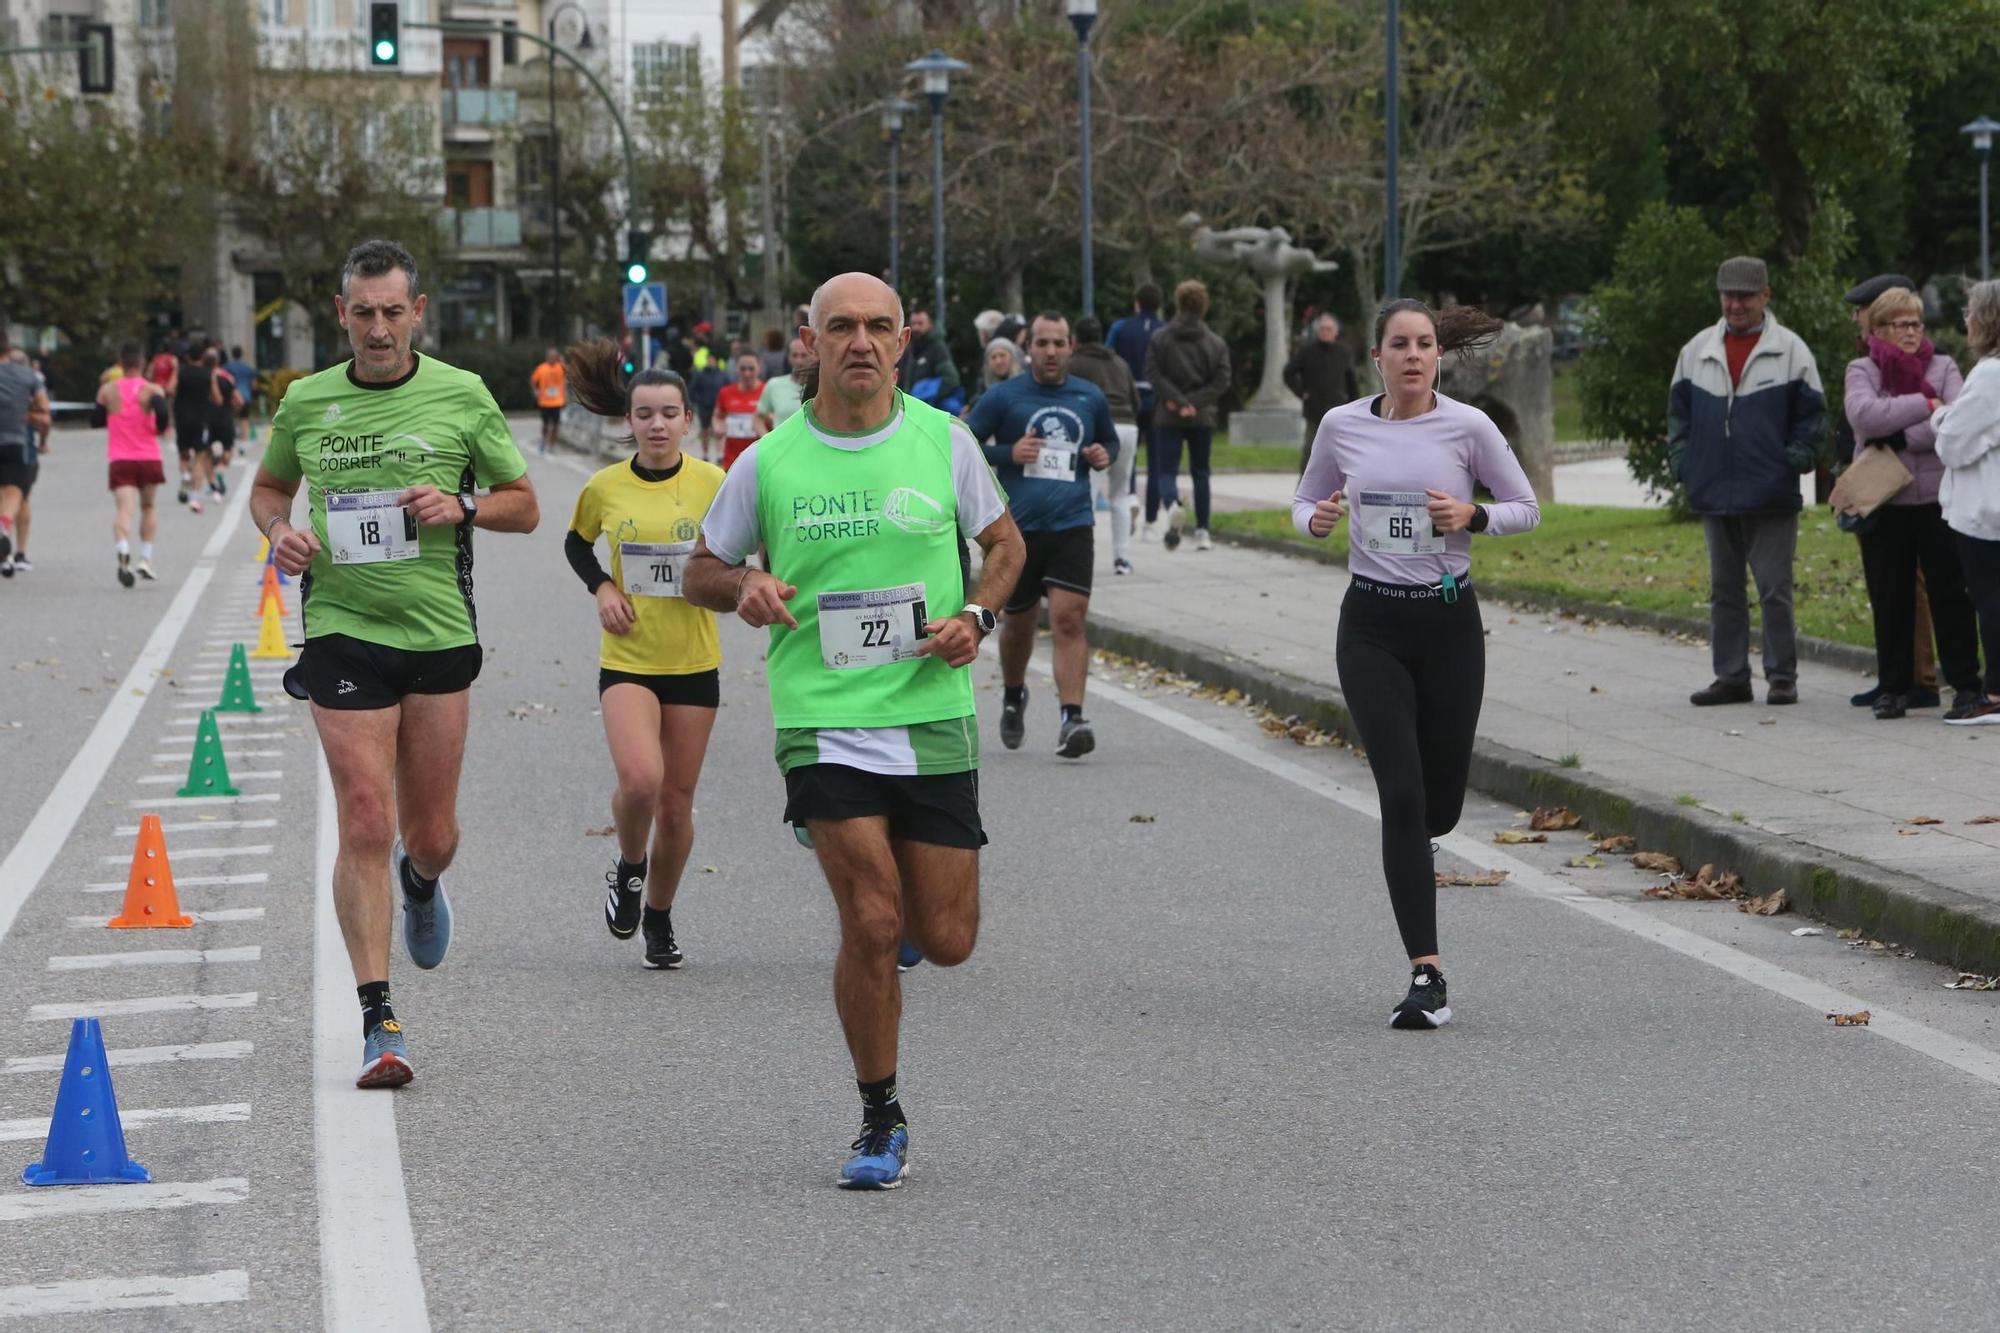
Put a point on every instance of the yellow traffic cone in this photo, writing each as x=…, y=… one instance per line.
x=271, y=634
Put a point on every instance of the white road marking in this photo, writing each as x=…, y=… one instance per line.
x=219, y=1113
x=92, y=1295
x=42, y=1203
x=221, y=720
x=258, y=775
x=366, y=1246
x=181, y=738
x=206, y=802
x=138, y=1055
x=197, y=826
x=219, y=917
x=32, y=854
x=189, y=882
x=154, y=1004
x=197, y=853
x=1966, y=1056
x=197, y=708
x=232, y=756
x=248, y=953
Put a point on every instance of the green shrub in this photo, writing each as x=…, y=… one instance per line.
x=504, y=366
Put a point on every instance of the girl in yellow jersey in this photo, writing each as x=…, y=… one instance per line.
x=658, y=678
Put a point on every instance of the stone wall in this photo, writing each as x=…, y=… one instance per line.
x=1512, y=380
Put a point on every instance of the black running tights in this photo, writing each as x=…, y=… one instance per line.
x=1413, y=671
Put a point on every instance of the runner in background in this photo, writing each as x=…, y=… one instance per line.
x=23, y=408
x=549, y=381
x=133, y=452
x=736, y=405
x=221, y=422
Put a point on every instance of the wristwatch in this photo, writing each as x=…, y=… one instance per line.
x=980, y=617
x=469, y=503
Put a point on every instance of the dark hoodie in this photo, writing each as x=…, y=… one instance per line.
x=1187, y=363
x=1107, y=370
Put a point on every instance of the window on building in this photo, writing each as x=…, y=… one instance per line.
x=531, y=166
x=154, y=13
x=468, y=184
x=319, y=14
x=277, y=13
x=665, y=69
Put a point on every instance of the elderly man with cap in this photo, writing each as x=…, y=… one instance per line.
x=1923, y=678
x=1744, y=417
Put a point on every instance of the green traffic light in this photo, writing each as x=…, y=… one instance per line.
x=635, y=272
x=385, y=51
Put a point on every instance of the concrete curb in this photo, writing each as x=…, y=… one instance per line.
x=1940, y=924
x=1826, y=652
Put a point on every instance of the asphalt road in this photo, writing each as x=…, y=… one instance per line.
x=1162, y=1094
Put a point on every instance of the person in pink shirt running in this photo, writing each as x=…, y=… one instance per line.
x=133, y=450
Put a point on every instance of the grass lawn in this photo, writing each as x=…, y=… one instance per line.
x=1638, y=558
x=1569, y=412
x=1226, y=457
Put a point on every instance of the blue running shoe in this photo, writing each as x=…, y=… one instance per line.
x=881, y=1158
x=907, y=957
x=426, y=926
x=385, y=1058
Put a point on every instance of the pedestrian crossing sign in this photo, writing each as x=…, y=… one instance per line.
x=645, y=305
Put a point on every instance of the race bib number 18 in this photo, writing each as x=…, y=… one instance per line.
x=1397, y=523
x=653, y=569
x=366, y=527
x=865, y=629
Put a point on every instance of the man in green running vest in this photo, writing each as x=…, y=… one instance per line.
x=391, y=447
x=860, y=500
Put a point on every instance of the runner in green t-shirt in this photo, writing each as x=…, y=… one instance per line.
x=392, y=447
x=860, y=500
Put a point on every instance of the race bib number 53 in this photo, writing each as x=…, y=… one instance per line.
x=1396, y=523
x=1053, y=464
x=865, y=629
x=366, y=527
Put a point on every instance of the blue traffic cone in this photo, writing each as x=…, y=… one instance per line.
x=271, y=559
x=86, y=1143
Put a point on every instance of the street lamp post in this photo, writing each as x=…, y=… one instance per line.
x=1082, y=14
x=937, y=69
x=1981, y=131
x=555, y=167
x=1392, y=109
x=893, y=112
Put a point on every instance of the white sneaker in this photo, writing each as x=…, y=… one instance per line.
x=1175, y=522
x=194, y=503
x=1150, y=533
x=1201, y=541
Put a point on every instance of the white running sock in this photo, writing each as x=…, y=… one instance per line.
x=124, y=547
x=145, y=550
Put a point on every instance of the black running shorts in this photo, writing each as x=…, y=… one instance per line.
x=697, y=689
x=339, y=671
x=938, y=808
x=1055, y=560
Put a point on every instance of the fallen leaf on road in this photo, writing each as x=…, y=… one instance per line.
x=1656, y=861
x=1514, y=837
x=1770, y=904
x=1273, y=725
x=1923, y=819
x=1585, y=863
x=1908, y=833
x=1145, y=819
x=1767, y=721
x=1553, y=818
x=1973, y=981
x=1858, y=1019
x=1808, y=930
x=1984, y=819
x=708, y=870
x=1617, y=844
x=608, y=831
x=1733, y=731
x=1484, y=879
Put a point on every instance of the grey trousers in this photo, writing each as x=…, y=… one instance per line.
x=1768, y=544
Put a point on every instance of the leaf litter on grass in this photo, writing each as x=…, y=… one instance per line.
x=1553, y=818
x=1482, y=879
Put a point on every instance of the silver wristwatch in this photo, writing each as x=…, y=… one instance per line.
x=982, y=617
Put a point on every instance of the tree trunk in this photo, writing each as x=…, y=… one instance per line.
x=1010, y=291
x=1791, y=183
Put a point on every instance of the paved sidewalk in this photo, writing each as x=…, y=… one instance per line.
x=1821, y=785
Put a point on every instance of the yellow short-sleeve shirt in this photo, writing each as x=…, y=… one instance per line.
x=652, y=522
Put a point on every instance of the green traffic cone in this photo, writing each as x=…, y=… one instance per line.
x=208, y=771
x=237, y=696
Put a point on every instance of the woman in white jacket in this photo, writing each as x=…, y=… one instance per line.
x=1968, y=443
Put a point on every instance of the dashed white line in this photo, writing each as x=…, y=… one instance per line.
x=248, y=953
x=138, y=1055
x=221, y=719
x=14, y=1131
x=232, y=756
x=105, y=1294
x=121, y=1199
x=153, y=1004
x=198, y=853
x=206, y=802
x=198, y=826
x=255, y=775
x=219, y=917
x=189, y=882
x=269, y=704
x=182, y=738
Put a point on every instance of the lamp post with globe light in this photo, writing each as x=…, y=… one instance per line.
x=1082, y=14
x=1982, y=131
x=893, y=112
x=937, y=69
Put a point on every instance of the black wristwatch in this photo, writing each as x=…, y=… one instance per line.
x=1480, y=518
x=981, y=617
x=469, y=503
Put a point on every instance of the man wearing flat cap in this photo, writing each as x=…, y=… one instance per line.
x=1744, y=416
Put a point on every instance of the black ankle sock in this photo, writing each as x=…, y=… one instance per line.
x=415, y=886
x=650, y=916
x=1015, y=696
x=878, y=1102
x=1071, y=710
x=374, y=1004
x=630, y=869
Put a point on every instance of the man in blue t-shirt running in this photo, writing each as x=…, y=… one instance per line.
x=1042, y=432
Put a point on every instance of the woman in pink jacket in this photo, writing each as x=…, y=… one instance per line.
x=1891, y=392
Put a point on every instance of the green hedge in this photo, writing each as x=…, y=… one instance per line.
x=504, y=366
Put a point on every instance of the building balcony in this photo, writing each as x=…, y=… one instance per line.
x=483, y=228
x=479, y=108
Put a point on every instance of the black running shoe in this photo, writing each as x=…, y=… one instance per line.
x=125, y=577
x=621, y=905
x=1075, y=739
x=661, y=951
x=1013, y=725
x=1424, y=1007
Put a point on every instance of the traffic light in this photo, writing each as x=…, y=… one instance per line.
x=385, y=45
x=94, y=70
x=636, y=244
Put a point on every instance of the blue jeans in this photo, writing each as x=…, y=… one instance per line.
x=1163, y=467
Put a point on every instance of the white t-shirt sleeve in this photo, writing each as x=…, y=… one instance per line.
x=979, y=501
x=731, y=528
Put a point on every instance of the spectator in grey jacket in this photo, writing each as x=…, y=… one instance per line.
x=1188, y=367
x=1103, y=367
x=1744, y=417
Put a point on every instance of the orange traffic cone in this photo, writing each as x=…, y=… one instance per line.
x=270, y=593
x=150, y=899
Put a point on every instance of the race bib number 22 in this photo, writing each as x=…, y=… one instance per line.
x=875, y=628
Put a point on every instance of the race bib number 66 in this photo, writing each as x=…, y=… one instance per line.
x=1396, y=523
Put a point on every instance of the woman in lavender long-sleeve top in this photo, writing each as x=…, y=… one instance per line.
x=1410, y=648
x=1891, y=392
